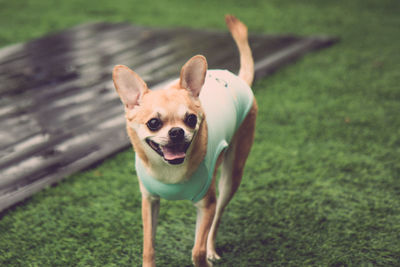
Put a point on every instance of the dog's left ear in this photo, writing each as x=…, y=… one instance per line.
x=129, y=86
x=193, y=74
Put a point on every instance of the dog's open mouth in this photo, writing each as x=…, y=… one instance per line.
x=172, y=153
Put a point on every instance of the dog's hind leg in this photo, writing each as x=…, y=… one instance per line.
x=231, y=174
x=227, y=188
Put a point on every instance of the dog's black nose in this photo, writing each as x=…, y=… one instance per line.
x=176, y=134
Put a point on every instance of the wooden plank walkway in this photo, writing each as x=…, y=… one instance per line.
x=59, y=112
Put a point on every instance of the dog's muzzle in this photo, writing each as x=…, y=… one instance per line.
x=175, y=151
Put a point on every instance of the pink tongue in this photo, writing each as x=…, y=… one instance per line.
x=171, y=153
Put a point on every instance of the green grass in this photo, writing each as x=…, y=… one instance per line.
x=322, y=184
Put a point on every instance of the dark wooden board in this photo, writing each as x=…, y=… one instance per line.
x=59, y=113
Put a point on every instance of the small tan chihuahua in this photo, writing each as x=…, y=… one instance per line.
x=182, y=133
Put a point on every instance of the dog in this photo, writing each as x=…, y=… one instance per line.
x=182, y=133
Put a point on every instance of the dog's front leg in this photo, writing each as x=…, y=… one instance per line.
x=150, y=209
x=205, y=216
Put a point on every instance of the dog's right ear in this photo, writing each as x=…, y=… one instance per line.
x=129, y=86
x=193, y=74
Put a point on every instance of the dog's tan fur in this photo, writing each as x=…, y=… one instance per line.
x=142, y=103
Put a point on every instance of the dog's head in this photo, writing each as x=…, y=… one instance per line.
x=165, y=121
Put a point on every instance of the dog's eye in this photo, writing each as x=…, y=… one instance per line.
x=154, y=124
x=191, y=120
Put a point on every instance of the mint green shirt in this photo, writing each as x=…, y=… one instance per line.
x=226, y=99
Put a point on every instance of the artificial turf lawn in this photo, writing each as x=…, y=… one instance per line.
x=321, y=186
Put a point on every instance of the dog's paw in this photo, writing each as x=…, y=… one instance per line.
x=206, y=263
x=213, y=256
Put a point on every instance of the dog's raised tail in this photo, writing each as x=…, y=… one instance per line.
x=239, y=33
